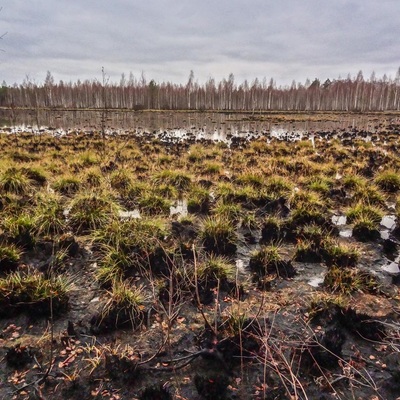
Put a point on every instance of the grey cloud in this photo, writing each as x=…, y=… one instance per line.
x=288, y=39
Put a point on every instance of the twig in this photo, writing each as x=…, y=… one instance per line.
x=155, y=354
x=196, y=288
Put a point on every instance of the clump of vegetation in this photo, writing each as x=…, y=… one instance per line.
x=10, y=255
x=67, y=185
x=209, y=273
x=179, y=180
x=151, y=203
x=369, y=194
x=388, y=180
x=306, y=251
x=311, y=242
x=307, y=208
x=365, y=228
x=307, y=215
x=272, y=229
x=87, y=159
x=321, y=184
x=92, y=178
x=120, y=180
x=196, y=154
x=268, y=260
x=114, y=263
x=49, y=219
x=342, y=255
x=346, y=281
x=218, y=235
x=252, y=179
x=315, y=233
x=249, y=221
x=14, y=180
x=230, y=211
x=211, y=168
x=19, y=229
x=131, y=246
x=198, y=200
x=33, y=292
x=365, y=210
x=303, y=198
x=37, y=175
x=278, y=186
x=136, y=191
x=225, y=192
x=216, y=268
x=91, y=211
x=124, y=308
x=354, y=181
x=322, y=303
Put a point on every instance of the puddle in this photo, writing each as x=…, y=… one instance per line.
x=339, y=220
x=180, y=208
x=388, y=221
x=283, y=134
x=385, y=234
x=316, y=281
x=242, y=274
x=312, y=139
x=391, y=205
x=392, y=266
x=346, y=233
x=240, y=266
x=129, y=214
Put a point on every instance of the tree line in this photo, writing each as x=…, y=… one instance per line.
x=349, y=94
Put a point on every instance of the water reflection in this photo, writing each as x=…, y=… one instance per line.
x=392, y=266
x=339, y=220
x=169, y=125
x=316, y=281
x=388, y=221
x=180, y=208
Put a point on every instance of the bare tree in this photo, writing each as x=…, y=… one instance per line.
x=349, y=94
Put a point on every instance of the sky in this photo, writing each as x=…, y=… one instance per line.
x=165, y=39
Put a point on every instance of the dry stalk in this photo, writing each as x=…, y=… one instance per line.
x=196, y=288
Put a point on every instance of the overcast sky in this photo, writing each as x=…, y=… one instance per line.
x=282, y=39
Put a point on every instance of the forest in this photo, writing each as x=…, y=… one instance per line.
x=352, y=94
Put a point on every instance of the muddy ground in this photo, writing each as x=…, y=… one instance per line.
x=284, y=335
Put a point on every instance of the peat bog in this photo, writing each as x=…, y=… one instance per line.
x=200, y=256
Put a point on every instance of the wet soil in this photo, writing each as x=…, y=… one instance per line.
x=286, y=338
